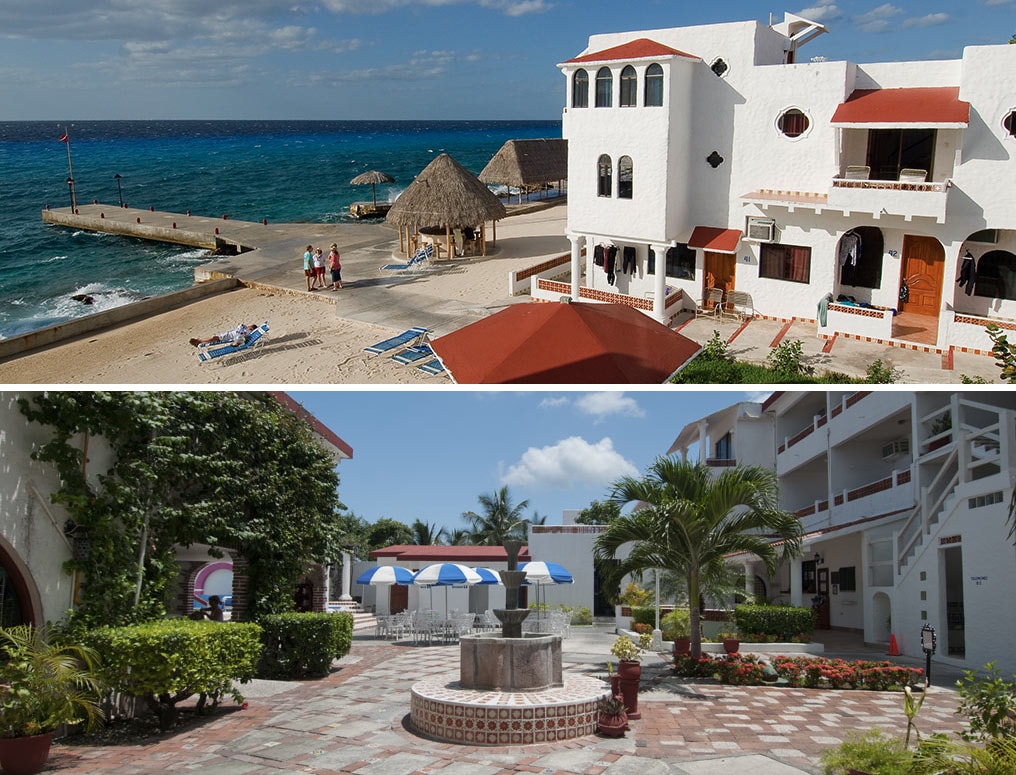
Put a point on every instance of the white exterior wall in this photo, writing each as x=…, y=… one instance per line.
x=735, y=115
x=31, y=527
x=574, y=551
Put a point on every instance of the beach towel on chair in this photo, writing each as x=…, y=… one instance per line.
x=220, y=350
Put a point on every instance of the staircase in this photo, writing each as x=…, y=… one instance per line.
x=984, y=436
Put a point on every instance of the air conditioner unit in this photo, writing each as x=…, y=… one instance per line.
x=895, y=448
x=760, y=229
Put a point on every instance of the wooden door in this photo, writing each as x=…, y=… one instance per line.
x=398, y=598
x=719, y=271
x=823, y=595
x=923, y=267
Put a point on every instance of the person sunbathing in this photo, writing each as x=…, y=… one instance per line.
x=236, y=337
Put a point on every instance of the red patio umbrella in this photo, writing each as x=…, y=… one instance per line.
x=566, y=343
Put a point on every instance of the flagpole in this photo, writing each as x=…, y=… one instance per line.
x=70, y=170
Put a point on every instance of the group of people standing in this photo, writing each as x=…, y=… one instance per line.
x=314, y=263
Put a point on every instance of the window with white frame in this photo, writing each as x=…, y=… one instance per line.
x=654, y=86
x=604, y=88
x=629, y=87
x=625, y=173
x=604, y=176
x=580, y=89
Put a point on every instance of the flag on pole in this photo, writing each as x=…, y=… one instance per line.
x=64, y=138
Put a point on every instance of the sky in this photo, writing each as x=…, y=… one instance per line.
x=392, y=59
x=429, y=455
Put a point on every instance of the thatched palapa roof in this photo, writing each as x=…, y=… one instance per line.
x=528, y=163
x=445, y=194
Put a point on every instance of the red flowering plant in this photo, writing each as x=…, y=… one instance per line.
x=739, y=669
x=693, y=667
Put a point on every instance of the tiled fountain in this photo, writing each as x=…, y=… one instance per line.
x=511, y=688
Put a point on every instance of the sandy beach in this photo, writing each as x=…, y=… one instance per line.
x=310, y=342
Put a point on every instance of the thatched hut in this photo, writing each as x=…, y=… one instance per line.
x=445, y=195
x=528, y=164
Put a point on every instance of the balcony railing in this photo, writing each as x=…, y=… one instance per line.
x=883, y=198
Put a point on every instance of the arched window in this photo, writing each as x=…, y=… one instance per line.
x=629, y=84
x=793, y=123
x=604, y=88
x=996, y=275
x=580, y=89
x=604, y=177
x=654, y=86
x=624, y=178
x=1009, y=122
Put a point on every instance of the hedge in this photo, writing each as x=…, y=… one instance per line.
x=644, y=614
x=303, y=645
x=802, y=672
x=163, y=663
x=774, y=623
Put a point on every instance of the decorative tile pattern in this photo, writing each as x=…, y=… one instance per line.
x=445, y=710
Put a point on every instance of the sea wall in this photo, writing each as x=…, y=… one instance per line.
x=61, y=332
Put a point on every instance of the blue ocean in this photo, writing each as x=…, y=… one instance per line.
x=285, y=171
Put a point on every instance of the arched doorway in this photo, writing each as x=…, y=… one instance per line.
x=859, y=254
x=16, y=599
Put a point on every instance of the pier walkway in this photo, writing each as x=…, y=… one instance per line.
x=270, y=256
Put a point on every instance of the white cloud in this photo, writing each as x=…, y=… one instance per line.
x=554, y=402
x=607, y=403
x=572, y=461
x=931, y=20
x=822, y=11
x=877, y=19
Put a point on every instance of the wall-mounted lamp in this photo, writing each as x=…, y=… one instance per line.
x=819, y=559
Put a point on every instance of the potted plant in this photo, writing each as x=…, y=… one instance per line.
x=42, y=686
x=614, y=678
x=676, y=626
x=612, y=720
x=731, y=643
x=629, y=669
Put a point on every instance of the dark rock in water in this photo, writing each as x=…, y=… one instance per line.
x=84, y=298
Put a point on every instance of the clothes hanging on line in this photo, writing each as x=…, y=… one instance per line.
x=598, y=255
x=609, y=262
x=628, y=263
x=968, y=274
x=850, y=248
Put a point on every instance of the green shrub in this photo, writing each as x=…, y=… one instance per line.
x=303, y=645
x=872, y=751
x=986, y=699
x=581, y=615
x=788, y=358
x=784, y=624
x=881, y=372
x=676, y=624
x=644, y=614
x=165, y=662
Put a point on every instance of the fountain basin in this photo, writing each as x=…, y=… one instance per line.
x=530, y=663
x=449, y=712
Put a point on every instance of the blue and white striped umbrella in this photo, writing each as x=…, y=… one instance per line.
x=446, y=574
x=386, y=574
x=546, y=573
x=488, y=576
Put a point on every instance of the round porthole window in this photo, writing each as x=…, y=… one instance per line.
x=793, y=123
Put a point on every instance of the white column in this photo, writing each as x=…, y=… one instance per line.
x=660, y=281
x=576, y=265
x=703, y=441
x=796, y=594
x=347, y=577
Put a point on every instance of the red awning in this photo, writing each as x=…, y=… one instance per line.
x=938, y=107
x=714, y=239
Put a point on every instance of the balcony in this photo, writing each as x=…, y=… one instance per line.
x=882, y=198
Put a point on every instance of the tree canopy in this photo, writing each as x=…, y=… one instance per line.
x=230, y=470
x=688, y=522
x=599, y=513
x=500, y=521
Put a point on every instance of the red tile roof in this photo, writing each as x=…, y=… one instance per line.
x=408, y=554
x=715, y=239
x=933, y=106
x=643, y=48
x=323, y=431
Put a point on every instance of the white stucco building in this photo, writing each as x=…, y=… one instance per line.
x=716, y=156
x=904, y=499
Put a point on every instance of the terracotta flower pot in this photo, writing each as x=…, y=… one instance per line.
x=612, y=726
x=731, y=645
x=630, y=674
x=682, y=646
x=25, y=755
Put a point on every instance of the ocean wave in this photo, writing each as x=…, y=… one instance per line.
x=55, y=258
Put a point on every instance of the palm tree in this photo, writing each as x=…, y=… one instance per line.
x=501, y=520
x=686, y=521
x=426, y=534
x=458, y=537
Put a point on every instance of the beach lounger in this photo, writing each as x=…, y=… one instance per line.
x=412, y=355
x=220, y=351
x=405, y=339
x=414, y=263
x=433, y=367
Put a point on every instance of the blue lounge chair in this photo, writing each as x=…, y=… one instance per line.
x=252, y=341
x=412, y=355
x=405, y=339
x=433, y=367
x=413, y=263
